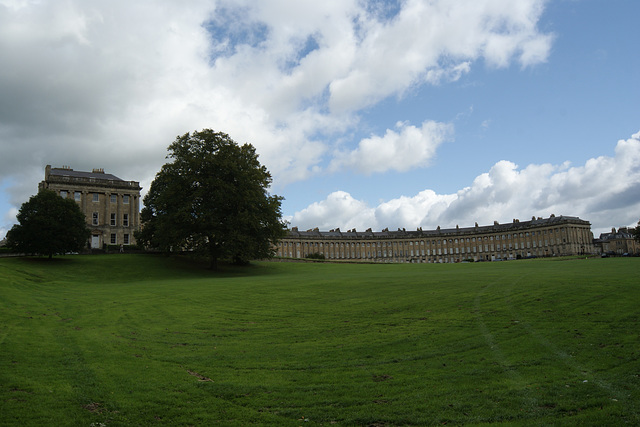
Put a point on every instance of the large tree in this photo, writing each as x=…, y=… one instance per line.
x=212, y=198
x=48, y=225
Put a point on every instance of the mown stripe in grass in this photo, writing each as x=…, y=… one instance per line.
x=352, y=344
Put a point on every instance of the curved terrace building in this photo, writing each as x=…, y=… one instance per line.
x=540, y=237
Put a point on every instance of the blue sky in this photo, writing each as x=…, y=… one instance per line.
x=368, y=114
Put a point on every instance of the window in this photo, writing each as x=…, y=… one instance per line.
x=113, y=219
x=125, y=199
x=126, y=239
x=113, y=238
x=76, y=196
x=63, y=194
x=114, y=198
x=94, y=219
x=96, y=197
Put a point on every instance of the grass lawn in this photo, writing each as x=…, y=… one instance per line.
x=147, y=340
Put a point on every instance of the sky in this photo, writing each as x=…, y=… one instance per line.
x=368, y=114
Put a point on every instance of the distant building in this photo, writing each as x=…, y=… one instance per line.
x=110, y=204
x=540, y=237
x=618, y=242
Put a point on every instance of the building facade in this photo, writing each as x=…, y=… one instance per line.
x=620, y=242
x=540, y=237
x=110, y=204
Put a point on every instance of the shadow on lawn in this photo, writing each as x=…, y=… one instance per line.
x=225, y=269
x=146, y=265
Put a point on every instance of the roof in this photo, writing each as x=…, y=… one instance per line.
x=616, y=235
x=80, y=174
x=401, y=233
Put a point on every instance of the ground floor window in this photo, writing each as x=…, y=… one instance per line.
x=113, y=238
x=126, y=239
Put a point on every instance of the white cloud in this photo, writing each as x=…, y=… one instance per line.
x=9, y=218
x=339, y=209
x=407, y=148
x=431, y=41
x=605, y=191
x=110, y=84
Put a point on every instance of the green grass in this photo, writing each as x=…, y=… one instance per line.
x=147, y=340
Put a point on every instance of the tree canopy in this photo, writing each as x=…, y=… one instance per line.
x=212, y=199
x=48, y=225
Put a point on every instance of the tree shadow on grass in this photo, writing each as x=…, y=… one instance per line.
x=225, y=269
x=45, y=260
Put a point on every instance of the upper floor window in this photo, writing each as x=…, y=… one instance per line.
x=113, y=219
x=114, y=198
x=76, y=196
x=63, y=194
x=125, y=199
x=96, y=197
x=94, y=219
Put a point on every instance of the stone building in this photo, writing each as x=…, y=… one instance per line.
x=620, y=242
x=110, y=204
x=540, y=237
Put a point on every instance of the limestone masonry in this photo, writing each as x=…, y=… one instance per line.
x=553, y=236
x=110, y=204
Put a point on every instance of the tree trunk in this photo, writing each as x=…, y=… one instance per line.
x=213, y=263
x=213, y=254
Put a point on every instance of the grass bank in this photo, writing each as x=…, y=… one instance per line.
x=147, y=340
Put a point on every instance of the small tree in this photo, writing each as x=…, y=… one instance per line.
x=48, y=225
x=636, y=232
x=212, y=199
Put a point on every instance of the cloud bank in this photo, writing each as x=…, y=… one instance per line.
x=94, y=84
x=605, y=191
x=91, y=84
